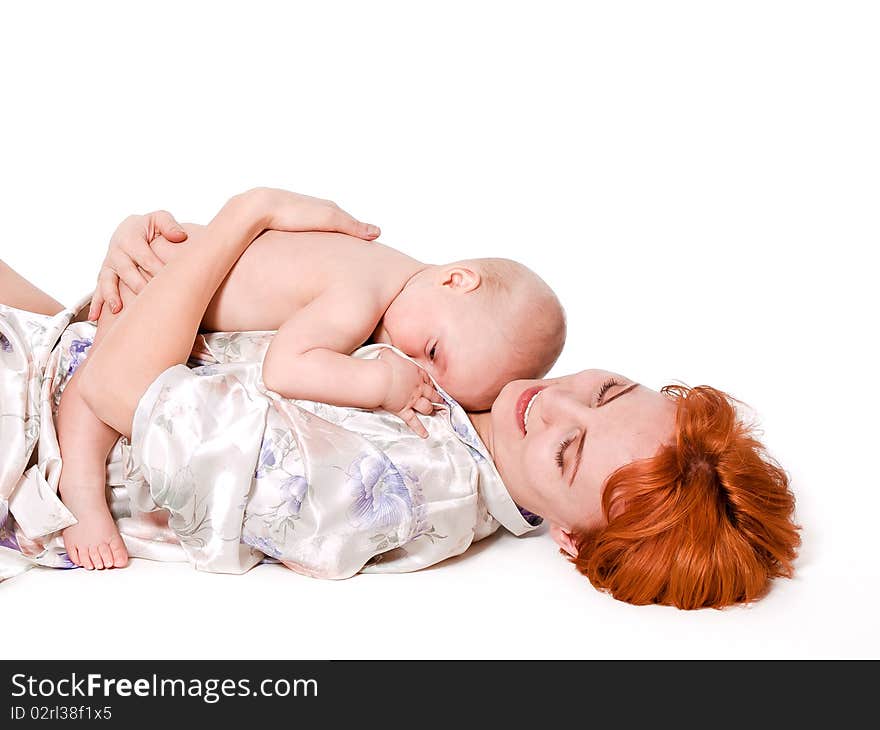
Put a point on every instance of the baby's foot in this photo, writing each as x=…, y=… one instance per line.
x=93, y=542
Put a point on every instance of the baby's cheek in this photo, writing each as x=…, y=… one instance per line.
x=481, y=402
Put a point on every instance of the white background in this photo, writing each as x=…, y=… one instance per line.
x=698, y=181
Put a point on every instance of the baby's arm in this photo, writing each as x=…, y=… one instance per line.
x=308, y=359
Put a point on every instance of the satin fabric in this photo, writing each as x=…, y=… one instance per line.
x=225, y=474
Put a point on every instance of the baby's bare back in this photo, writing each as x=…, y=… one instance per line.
x=280, y=273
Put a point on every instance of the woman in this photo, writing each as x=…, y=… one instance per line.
x=656, y=497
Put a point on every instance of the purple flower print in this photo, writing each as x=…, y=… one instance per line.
x=382, y=499
x=293, y=492
x=7, y=536
x=78, y=351
x=469, y=440
x=205, y=370
x=267, y=460
x=66, y=562
x=5, y=344
x=263, y=544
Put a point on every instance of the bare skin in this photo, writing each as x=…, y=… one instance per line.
x=94, y=541
x=554, y=459
x=548, y=463
x=18, y=292
x=326, y=294
x=556, y=454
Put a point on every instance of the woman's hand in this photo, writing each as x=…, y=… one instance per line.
x=130, y=258
x=287, y=211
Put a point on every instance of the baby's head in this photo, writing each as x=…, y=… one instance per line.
x=475, y=325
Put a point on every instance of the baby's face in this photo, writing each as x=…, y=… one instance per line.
x=457, y=339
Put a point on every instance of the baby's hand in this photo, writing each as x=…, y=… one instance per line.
x=409, y=391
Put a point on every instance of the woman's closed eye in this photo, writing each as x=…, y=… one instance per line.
x=578, y=437
x=603, y=389
x=560, y=451
x=603, y=396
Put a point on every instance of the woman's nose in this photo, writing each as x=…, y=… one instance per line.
x=562, y=405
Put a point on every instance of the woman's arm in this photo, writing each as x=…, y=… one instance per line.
x=18, y=292
x=158, y=328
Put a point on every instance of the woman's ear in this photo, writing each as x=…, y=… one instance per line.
x=461, y=278
x=563, y=539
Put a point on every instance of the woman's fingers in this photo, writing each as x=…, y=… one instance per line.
x=96, y=305
x=130, y=258
x=108, y=285
x=289, y=211
x=343, y=222
x=144, y=256
x=130, y=275
x=366, y=231
x=163, y=222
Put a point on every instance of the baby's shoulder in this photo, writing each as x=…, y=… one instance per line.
x=376, y=271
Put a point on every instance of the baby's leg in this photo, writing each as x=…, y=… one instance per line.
x=85, y=440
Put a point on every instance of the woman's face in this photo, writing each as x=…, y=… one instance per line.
x=556, y=442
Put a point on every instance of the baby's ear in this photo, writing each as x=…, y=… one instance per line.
x=563, y=539
x=461, y=278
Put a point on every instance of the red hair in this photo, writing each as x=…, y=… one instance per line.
x=705, y=522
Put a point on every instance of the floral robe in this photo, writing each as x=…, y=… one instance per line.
x=223, y=473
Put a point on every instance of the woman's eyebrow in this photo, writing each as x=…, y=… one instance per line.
x=580, y=451
x=626, y=390
x=577, y=458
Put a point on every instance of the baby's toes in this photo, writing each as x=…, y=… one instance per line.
x=106, y=555
x=84, y=560
x=72, y=552
x=95, y=555
x=120, y=554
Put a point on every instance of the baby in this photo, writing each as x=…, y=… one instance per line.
x=474, y=325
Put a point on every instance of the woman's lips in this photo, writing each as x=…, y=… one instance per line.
x=522, y=404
